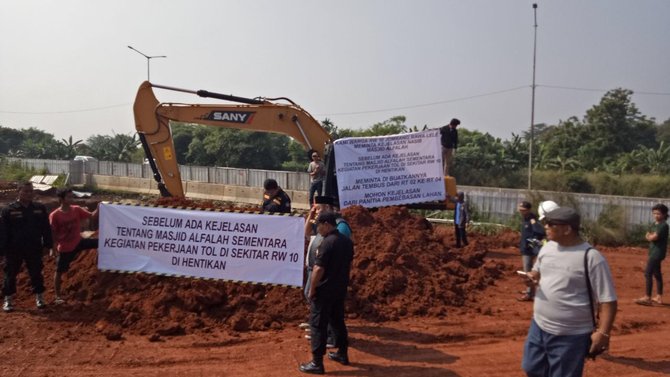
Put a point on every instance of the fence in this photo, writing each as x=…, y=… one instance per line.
x=497, y=203
x=502, y=204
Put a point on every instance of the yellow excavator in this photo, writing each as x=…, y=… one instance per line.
x=152, y=122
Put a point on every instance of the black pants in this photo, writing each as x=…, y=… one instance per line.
x=13, y=263
x=325, y=311
x=316, y=187
x=461, y=237
x=653, y=270
x=64, y=259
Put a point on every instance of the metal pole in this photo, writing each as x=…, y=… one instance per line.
x=148, y=60
x=532, y=106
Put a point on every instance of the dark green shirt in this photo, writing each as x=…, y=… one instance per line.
x=658, y=248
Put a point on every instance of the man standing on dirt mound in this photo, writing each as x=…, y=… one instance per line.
x=327, y=291
x=449, y=141
x=568, y=275
x=26, y=237
x=66, y=228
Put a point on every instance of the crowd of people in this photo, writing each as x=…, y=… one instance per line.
x=566, y=278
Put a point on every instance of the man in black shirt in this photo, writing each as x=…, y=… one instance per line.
x=26, y=236
x=449, y=140
x=274, y=198
x=327, y=290
x=532, y=233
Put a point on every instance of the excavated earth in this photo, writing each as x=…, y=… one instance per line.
x=417, y=307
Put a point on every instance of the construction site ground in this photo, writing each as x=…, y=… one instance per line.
x=399, y=324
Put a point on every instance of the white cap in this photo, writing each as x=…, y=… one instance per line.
x=546, y=207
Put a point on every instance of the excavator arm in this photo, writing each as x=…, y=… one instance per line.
x=152, y=120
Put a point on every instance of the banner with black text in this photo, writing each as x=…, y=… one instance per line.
x=390, y=170
x=220, y=245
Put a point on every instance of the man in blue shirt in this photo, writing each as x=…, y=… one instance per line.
x=461, y=219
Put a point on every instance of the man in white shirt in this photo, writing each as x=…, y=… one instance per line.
x=562, y=332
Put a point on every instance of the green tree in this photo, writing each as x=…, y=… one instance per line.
x=514, y=154
x=392, y=126
x=182, y=136
x=39, y=144
x=644, y=161
x=119, y=147
x=561, y=140
x=70, y=147
x=563, y=164
x=244, y=149
x=614, y=126
x=298, y=158
x=663, y=132
x=331, y=128
x=610, y=128
x=10, y=140
x=484, y=160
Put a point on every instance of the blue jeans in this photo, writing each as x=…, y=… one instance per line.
x=547, y=355
x=315, y=187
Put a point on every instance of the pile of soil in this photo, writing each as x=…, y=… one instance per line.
x=402, y=267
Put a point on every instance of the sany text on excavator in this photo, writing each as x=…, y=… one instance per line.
x=152, y=120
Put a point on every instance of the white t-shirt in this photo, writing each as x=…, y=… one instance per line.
x=561, y=301
x=322, y=173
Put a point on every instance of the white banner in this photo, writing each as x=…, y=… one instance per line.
x=390, y=170
x=220, y=245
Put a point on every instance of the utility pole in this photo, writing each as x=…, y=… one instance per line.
x=148, y=60
x=532, y=106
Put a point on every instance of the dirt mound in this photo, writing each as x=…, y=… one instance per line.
x=402, y=267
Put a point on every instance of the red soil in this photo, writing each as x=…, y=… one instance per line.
x=417, y=308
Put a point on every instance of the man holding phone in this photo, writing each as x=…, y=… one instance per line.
x=562, y=332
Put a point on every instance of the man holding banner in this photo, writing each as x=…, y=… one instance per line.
x=66, y=229
x=327, y=291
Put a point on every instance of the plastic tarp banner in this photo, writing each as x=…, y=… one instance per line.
x=390, y=170
x=218, y=245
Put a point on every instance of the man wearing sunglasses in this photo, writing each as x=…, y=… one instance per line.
x=317, y=173
x=562, y=332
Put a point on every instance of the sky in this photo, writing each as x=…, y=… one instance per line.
x=65, y=66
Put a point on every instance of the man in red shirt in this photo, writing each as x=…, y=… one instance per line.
x=66, y=229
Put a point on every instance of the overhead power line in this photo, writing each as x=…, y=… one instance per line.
x=600, y=90
x=427, y=104
x=483, y=95
x=452, y=100
x=65, y=111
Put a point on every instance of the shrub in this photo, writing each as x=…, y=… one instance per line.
x=609, y=229
x=14, y=171
x=577, y=182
